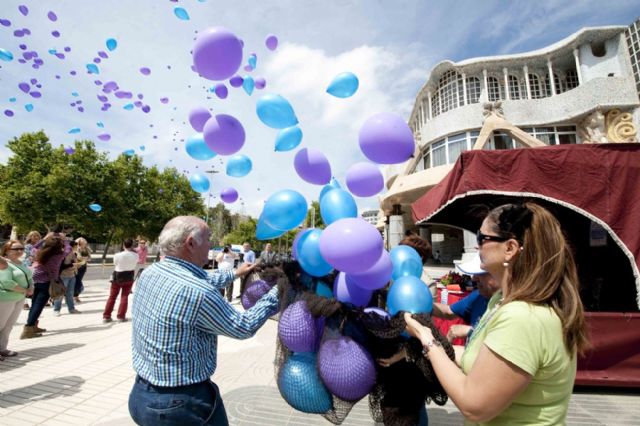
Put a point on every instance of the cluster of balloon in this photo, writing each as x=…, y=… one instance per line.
x=198, y=149
x=229, y=195
x=312, y=166
x=95, y=207
x=288, y=139
x=239, y=165
x=199, y=182
x=284, y=210
x=385, y=138
x=364, y=180
x=346, y=368
x=276, y=112
x=254, y=292
x=407, y=293
x=337, y=204
x=343, y=85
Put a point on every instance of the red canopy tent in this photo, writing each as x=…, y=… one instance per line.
x=594, y=190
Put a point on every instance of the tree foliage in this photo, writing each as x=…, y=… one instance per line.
x=41, y=186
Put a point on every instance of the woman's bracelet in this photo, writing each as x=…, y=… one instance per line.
x=427, y=346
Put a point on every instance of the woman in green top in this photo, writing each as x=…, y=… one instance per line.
x=520, y=363
x=15, y=282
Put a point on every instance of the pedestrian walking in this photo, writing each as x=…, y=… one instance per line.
x=121, y=282
x=68, y=270
x=143, y=251
x=83, y=252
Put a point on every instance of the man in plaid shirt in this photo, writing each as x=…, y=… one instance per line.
x=178, y=314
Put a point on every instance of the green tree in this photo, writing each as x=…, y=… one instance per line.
x=244, y=232
x=314, y=219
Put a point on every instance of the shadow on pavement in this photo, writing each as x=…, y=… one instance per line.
x=35, y=354
x=83, y=329
x=48, y=389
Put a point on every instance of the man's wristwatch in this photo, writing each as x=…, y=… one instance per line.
x=430, y=344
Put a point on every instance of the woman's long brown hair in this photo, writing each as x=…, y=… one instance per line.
x=544, y=272
x=52, y=246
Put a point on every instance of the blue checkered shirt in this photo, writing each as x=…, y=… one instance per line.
x=177, y=316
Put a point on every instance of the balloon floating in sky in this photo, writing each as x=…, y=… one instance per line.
x=271, y=42
x=111, y=44
x=199, y=182
x=406, y=262
x=276, y=112
x=93, y=69
x=52, y=16
x=229, y=195
x=284, y=210
x=385, y=138
x=265, y=232
x=104, y=137
x=224, y=134
x=145, y=71
x=239, y=166
x=198, y=149
x=364, y=179
x=129, y=152
x=221, y=91
x=288, y=139
x=198, y=116
x=23, y=9
x=253, y=59
x=309, y=256
x=181, y=13
x=312, y=166
x=337, y=204
x=248, y=84
x=343, y=85
x=28, y=107
x=5, y=55
x=74, y=130
x=351, y=245
x=95, y=207
x=217, y=54
x=334, y=184
x=236, y=81
x=376, y=276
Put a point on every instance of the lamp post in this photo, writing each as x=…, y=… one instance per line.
x=211, y=172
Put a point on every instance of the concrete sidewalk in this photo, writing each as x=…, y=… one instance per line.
x=79, y=373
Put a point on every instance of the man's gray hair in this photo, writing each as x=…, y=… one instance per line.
x=177, y=230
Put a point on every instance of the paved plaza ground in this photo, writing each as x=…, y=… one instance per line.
x=80, y=373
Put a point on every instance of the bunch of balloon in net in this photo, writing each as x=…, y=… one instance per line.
x=326, y=351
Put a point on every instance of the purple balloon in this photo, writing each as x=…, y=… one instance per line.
x=217, y=53
x=164, y=100
x=5, y=22
x=347, y=292
x=260, y=83
x=18, y=33
x=312, y=166
x=8, y=113
x=221, y=91
x=35, y=94
x=104, y=137
x=224, y=134
x=26, y=31
x=229, y=195
x=103, y=98
x=145, y=71
x=364, y=180
x=122, y=94
x=52, y=16
x=294, y=245
x=346, y=368
x=236, y=81
x=297, y=329
x=146, y=109
x=23, y=9
x=103, y=54
x=385, y=138
x=198, y=116
x=110, y=86
x=55, y=33
x=96, y=60
x=351, y=245
x=254, y=292
x=60, y=55
x=376, y=276
x=271, y=42
x=24, y=87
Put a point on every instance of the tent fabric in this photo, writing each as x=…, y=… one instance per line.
x=599, y=181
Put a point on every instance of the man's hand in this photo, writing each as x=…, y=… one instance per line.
x=244, y=269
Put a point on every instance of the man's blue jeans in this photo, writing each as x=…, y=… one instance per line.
x=69, y=284
x=197, y=404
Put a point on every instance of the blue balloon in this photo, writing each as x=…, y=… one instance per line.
x=93, y=69
x=409, y=294
x=5, y=55
x=129, y=152
x=248, y=84
x=284, y=210
x=309, y=257
x=288, y=138
x=199, y=182
x=181, y=13
x=265, y=232
x=333, y=184
x=252, y=61
x=276, y=112
x=198, y=149
x=28, y=107
x=300, y=385
x=95, y=207
x=406, y=262
x=337, y=204
x=128, y=107
x=343, y=85
x=112, y=44
x=239, y=165
x=74, y=130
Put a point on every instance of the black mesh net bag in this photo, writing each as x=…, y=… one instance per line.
x=341, y=369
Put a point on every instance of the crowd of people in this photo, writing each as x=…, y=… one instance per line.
x=525, y=321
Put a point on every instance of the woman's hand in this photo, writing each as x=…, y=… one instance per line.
x=458, y=331
x=388, y=362
x=418, y=330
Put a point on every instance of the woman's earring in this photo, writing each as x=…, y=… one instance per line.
x=505, y=264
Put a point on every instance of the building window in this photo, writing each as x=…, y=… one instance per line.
x=455, y=145
x=426, y=160
x=571, y=80
x=448, y=89
x=514, y=88
x=439, y=153
x=493, y=89
x=558, y=84
x=534, y=86
x=554, y=135
x=633, y=36
x=473, y=90
x=435, y=104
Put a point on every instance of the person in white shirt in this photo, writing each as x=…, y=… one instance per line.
x=226, y=259
x=121, y=282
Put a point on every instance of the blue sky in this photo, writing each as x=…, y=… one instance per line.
x=390, y=45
